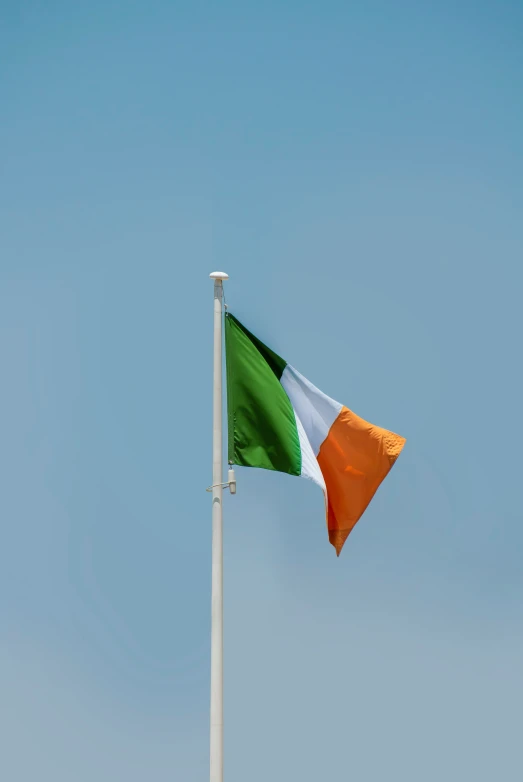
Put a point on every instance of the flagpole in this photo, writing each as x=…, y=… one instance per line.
x=216, y=748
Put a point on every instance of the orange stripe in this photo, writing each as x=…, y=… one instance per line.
x=354, y=458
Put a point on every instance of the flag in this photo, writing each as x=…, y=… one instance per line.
x=279, y=421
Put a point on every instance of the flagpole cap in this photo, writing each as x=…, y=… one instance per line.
x=218, y=276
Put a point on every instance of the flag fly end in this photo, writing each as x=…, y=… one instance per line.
x=337, y=538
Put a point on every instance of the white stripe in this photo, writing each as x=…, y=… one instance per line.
x=309, y=464
x=315, y=410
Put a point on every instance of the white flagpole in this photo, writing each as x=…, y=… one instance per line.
x=217, y=543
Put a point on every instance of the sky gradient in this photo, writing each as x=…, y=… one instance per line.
x=357, y=169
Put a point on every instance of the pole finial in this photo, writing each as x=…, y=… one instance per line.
x=218, y=276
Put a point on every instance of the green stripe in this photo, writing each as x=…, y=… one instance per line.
x=262, y=424
x=276, y=363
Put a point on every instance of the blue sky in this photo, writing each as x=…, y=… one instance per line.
x=357, y=169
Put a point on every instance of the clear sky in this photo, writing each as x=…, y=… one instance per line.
x=357, y=169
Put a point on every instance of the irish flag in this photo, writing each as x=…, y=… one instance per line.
x=279, y=421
